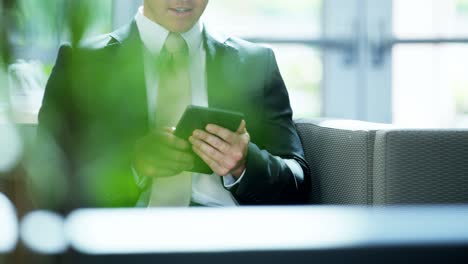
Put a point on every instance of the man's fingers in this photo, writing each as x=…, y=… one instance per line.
x=168, y=139
x=218, y=169
x=221, y=132
x=213, y=154
x=147, y=168
x=157, y=166
x=170, y=130
x=207, y=149
x=166, y=155
x=176, y=156
x=214, y=141
x=166, y=173
x=242, y=128
x=178, y=143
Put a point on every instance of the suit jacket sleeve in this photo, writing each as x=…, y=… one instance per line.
x=268, y=179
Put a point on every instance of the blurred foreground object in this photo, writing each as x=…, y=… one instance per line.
x=8, y=226
x=27, y=82
x=319, y=234
x=43, y=232
x=256, y=229
x=10, y=147
x=10, y=142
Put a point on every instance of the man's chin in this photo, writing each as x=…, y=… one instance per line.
x=181, y=28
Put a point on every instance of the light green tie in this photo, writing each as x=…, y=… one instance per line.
x=174, y=90
x=173, y=96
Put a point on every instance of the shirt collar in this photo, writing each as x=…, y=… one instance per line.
x=154, y=35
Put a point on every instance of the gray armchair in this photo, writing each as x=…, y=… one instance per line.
x=363, y=163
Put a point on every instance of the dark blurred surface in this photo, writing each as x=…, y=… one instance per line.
x=391, y=255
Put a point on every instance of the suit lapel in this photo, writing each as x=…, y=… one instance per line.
x=222, y=68
x=130, y=68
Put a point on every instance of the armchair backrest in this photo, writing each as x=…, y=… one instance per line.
x=421, y=167
x=340, y=155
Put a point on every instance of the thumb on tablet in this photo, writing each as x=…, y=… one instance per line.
x=169, y=130
x=242, y=128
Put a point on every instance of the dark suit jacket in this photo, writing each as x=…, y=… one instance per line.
x=95, y=107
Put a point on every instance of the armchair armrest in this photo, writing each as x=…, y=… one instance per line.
x=340, y=154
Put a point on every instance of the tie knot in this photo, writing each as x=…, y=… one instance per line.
x=175, y=44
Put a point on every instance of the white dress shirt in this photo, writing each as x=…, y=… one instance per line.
x=206, y=189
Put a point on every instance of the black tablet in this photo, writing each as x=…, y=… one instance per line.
x=196, y=117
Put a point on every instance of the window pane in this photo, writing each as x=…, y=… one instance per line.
x=431, y=86
x=301, y=68
x=40, y=28
x=266, y=18
x=430, y=81
x=43, y=23
x=430, y=18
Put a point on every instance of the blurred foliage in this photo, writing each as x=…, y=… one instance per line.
x=5, y=7
x=46, y=23
x=462, y=6
x=38, y=20
x=37, y=26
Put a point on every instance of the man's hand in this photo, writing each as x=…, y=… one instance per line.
x=224, y=151
x=161, y=154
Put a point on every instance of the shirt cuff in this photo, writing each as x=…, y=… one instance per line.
x=141, y=182
x=229, y=181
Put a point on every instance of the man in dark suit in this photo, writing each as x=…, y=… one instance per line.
x=110, y=103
